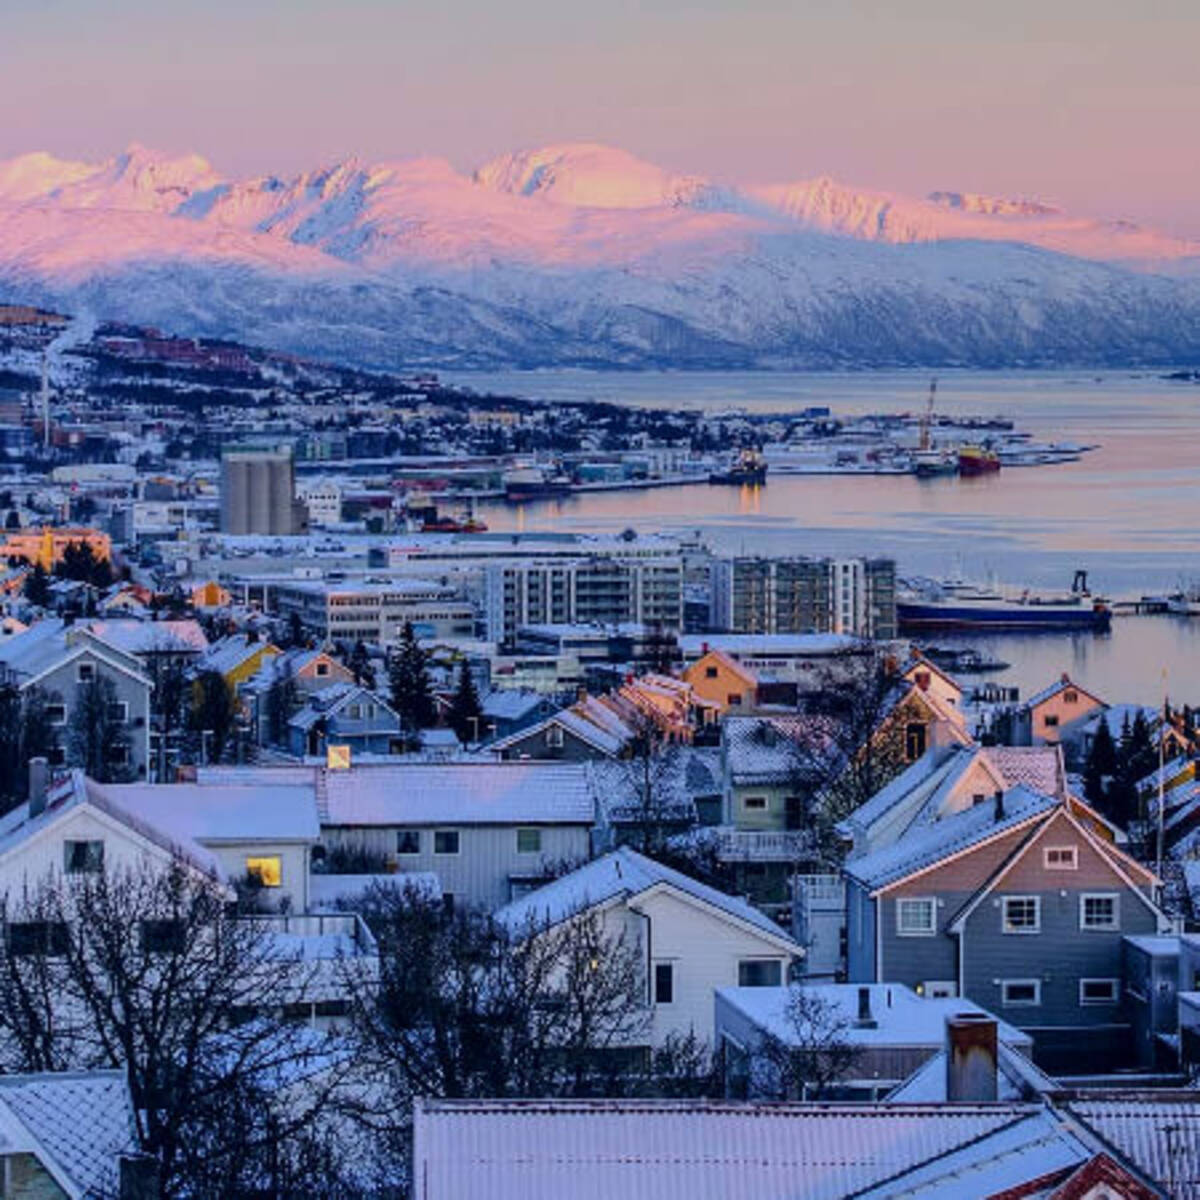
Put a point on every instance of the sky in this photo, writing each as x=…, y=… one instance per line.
x=1091, y=105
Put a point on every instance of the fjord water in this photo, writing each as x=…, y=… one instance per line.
x=1128, y=512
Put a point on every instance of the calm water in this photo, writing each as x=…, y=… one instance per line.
x=1129, y=512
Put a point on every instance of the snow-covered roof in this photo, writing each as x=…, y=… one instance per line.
x=459, y=793
x=771, y=749
x=230, y=652
x=901, y=1017
x=774, y=644
x=930, y=844
x=75, y=1122
x=623, y=873
x=149, y=637
x=505, y=704
x=1017, y=1078
x=685, y=1149
x=223, y=812
x=1059, y=685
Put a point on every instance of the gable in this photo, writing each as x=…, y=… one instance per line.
x=703, y=924
x=979, y=779
x=965, y=871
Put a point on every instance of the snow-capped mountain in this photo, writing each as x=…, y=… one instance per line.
x=586, y=254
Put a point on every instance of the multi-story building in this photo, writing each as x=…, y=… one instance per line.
x=258, y=492
x=375, y=612
x=323, y=499
x=599, y=589
x=46, y=547
x=804, y=595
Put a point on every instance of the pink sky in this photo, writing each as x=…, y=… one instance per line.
x=1093, y=106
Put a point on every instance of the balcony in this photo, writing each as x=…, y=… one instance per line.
x=763, y=845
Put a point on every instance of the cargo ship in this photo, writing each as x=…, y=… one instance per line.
x=959, y=605
x=748, y=468
x=977, y=460
x=533, y=483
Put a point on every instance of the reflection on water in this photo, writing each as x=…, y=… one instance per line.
x=1129, y=512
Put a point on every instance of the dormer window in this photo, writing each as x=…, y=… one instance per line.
x=86, y=672
x=1060, y=858
x=1070, y=696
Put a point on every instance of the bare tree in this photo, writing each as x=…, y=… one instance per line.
x=652, y=807
x=99, y=738
x=148, y=971
x=810, y=1057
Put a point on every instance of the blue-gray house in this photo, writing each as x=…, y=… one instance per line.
x=345, y=714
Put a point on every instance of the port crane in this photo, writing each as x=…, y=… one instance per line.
x=927, y=417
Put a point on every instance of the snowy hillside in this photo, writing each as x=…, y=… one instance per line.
x=585, y=254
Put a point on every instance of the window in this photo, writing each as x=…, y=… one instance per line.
x=529, y=841
x=1060, y=858
x=664, y=983
x=1099, y=910
x=267, y=869
x=56, y=714
x=1022, y=914
x=86, y=672
x=1098, y=991
x=445, y=841
x=554, y=736
x=57, y=756
x=759, y=972
x=914, y=741
x=322, y=668
x=1020, y=993
x=27, y=938
x=83, y=858
x=1050, y=720
x=916, y=917
x=354, y=712
x=938, y=989
x=1070, y=696
x=118, y=711
x=163, y=936
x=408, y=841
x=757, y=803
x=710, y=672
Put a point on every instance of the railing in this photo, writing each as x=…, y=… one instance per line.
x=763, y=845
x=820, y=891
x=315, y=925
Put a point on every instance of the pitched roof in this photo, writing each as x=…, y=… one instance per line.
x=459, y=793
x=149, y=637
x=930, y=844
x=1059, y=685
x=685, y=1149
x=75, y=1122
x=766, y=749
x=623, y=873
x=1017, y=1079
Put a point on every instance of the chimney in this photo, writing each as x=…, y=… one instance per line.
x=865, y=1020
x=999, y=799
x=39, y=785
x=971, y=1058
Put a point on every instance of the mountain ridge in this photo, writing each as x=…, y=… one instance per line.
x=581, y=253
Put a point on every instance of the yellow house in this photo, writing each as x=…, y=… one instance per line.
x=210, y=594
x=721, y=680
x=238, y=658
x=46, y=546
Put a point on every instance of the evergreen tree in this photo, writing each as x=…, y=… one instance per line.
x=37, y=587
x=408, y=677
x=465, y=709
x=360, y=663
x=1101, y=766
x=213, y=715
x=282, y=701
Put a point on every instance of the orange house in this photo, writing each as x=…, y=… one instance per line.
x=723, y=681
x=1061, y=704
x=210, y=594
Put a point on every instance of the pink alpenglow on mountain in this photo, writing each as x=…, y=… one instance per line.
x=583, y=253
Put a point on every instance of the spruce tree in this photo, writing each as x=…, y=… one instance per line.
x=1101, y=766
x=408, y=676
x=37, y=587
x=465, y=709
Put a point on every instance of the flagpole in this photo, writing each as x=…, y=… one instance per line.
x=1162, y=770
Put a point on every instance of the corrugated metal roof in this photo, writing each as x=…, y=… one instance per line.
x=484, y=793
x=686, y=1150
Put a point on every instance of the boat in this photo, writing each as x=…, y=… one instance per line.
x=930, y=463
x=1185, y=602
x=958, y=605
x=749, y=468
x=965, y=661
x=533, y=483
x=977, y=460
x=453, y=525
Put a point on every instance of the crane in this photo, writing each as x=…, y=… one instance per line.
x=927, y=419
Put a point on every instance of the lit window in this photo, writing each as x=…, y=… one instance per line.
x=1020, y=993
x=916, y=917
x=267, y=869
x=529, y=841
x=759, y=972
x=1097, y=991
x=1022, y=914
x=445, y=841
x=664, y=983
x=83, y=858
x=1060, y=858
x=408, y=841
x=1099, y=910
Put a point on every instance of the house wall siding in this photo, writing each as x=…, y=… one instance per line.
x=479, y=874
